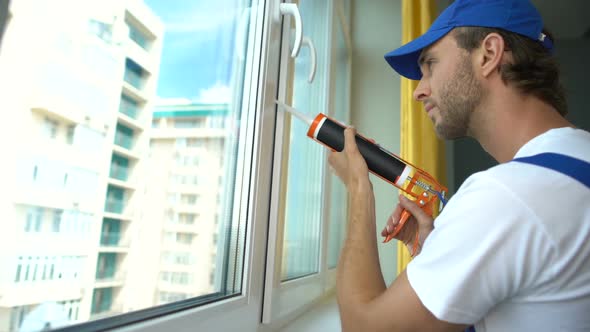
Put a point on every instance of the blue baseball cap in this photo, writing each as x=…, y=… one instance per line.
x=519, y=16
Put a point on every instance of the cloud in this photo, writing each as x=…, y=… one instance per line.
x=172, y=101
x=200, y=23
x=202, y=16
x=197, y=15
x=216, y=94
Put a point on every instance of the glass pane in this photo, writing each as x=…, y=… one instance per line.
x=338, y=193
x=104, y=214
x=306, y=158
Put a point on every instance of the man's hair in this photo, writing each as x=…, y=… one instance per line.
x=533, y=71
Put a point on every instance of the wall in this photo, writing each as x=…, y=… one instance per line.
x=573, y=57
x=375, y=103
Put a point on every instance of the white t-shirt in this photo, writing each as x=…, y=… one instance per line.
x=511, y=250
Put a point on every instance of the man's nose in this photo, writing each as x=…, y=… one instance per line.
x=422, y=90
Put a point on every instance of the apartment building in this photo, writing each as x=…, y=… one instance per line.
x=184, y=199
x=81, y=76
x=114, y=277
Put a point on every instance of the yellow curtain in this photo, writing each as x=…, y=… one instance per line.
x=419, y=144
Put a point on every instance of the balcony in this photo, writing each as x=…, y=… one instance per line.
x=119, y=172
x=114, y=205
x=135, y=79
x=129, y=109
x=106, y=310
x=104, y=302
x=109, y=276
x=139, y=38
x=124, y=140
x=113, y=239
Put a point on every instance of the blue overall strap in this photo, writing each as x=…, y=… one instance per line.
x=572, y=167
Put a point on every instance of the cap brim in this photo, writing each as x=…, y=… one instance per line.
x=404, y=59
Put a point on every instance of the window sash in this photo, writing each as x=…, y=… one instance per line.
x=285, y=298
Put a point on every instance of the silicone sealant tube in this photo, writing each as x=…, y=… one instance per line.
x=379, y=161
x=331, y=134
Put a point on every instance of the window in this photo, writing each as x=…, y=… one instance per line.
x=178, y=258
x=139, y=37
x=57, y=219
x=71, y=308
x=178, y=238
x=188, y=199
x=187, y=218
x=217, y=122
x=160, y=175
x=297, y=243
x=51, y=128
x=183, y=179
x=28, y=268
x=177, y=278
x=18, y=269
x=36, y=265
x=184, y=238
x=195, y=142
x=124, y=136
x=101, y=30
x=188, y=160
x=45, y=261
x=135, y=74
x=38, y=219
x=70, y=134
x=188, y=123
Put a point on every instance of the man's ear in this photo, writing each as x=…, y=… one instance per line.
x=491, y=53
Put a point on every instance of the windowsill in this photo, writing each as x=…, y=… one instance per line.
x=323, y=317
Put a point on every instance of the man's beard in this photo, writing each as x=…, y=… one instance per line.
x=458, y=99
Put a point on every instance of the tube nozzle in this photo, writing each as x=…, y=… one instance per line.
x=295, y=112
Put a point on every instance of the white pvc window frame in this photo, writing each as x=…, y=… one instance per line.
x=284, y=301
x=263, y=83
x=243, y=312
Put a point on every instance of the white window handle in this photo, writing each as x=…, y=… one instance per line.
x=291, y=9
x=312, y=58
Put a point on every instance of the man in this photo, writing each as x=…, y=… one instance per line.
x=511, y=250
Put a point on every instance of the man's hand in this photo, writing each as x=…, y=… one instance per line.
x=418, y=222
x=364, y=301
x=349, y=165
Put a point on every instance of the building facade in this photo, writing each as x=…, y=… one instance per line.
x=78, y=79
x=184, y=199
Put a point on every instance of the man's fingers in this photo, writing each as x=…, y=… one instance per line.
x=392, y=220
x=397, y=212
x=349, y=139
x=332, y=158
x=389, y=225
x=414, y=209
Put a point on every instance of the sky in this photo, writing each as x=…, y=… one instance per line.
x=199, y=41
